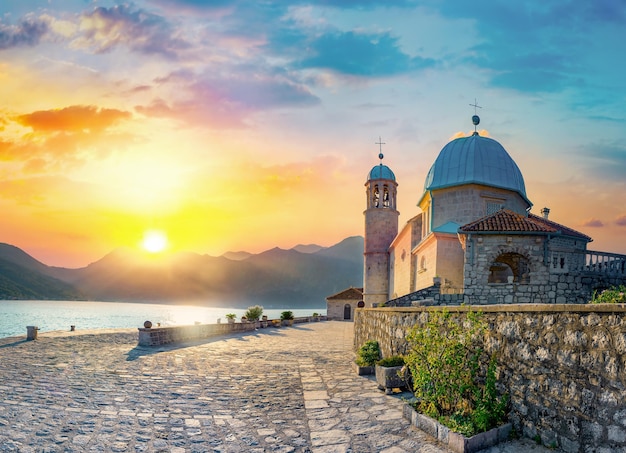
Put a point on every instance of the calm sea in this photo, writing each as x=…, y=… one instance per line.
x=49, y=315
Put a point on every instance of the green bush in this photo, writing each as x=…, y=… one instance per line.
x=254, y=313
x=454, y=381
x=613, y=295
x=368, y=353
x=394, y=360
x=286, y=315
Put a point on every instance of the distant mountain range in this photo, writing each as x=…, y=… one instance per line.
x=300, y=277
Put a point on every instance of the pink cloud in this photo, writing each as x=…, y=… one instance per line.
x=593, y=223
x=621, y=220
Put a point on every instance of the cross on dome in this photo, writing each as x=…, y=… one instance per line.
x=475, y=117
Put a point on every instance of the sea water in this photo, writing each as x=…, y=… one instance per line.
x=49, y=315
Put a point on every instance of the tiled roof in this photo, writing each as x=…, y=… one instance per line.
x=348, y=294
x=562, y=228
x=506, y=221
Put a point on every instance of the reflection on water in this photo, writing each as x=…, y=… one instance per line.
x=60, y=315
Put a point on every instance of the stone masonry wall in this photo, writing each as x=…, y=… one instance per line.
x=564, y=366
x=543, y=284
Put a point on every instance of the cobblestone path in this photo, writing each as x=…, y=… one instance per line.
x=274, y=390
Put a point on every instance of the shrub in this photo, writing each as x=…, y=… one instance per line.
x=368, y=353
x=286, y=315
x=394, y=360
x=613, y=295
x=454, y=381
x=254, y=313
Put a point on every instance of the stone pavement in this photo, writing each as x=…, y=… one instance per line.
x=290, y=389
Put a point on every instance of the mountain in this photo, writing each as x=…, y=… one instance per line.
x=308, y=248
x=23, y=277
x=237, y=256
x=274, y=278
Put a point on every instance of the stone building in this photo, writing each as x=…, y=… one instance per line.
x=475, y=239
x=341, y=306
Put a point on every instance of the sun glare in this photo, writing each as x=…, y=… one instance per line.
x=154, y=241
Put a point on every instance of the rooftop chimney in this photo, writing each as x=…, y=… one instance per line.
x=545, y=212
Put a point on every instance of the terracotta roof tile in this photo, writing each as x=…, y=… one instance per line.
x=562, y=228
x=348, y=294
x=508, y=221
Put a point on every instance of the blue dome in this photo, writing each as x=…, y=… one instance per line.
x=475, y=160
x=381, y=172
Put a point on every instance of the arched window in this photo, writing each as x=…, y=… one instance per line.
x=509, y=267
x=376, y=200
x=385, y=196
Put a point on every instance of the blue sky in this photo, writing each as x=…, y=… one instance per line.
x=245, y=125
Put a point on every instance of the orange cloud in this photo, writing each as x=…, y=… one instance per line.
x=481, y=132
x=74, y=119
x=65, y=138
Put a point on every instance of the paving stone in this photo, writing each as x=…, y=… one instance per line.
x=273, y=390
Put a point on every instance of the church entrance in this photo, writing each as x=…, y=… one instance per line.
x=347, y=312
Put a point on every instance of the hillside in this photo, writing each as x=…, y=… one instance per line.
x=23, y=277
x=275, y=278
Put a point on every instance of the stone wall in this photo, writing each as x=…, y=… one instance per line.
x=564, y=366
x=464, y=204
x=174, y=334
x=553, y=276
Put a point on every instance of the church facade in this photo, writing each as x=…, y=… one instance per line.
x=474, y=239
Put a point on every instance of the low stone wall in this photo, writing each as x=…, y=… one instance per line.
x=564, y=366
x=156, y=336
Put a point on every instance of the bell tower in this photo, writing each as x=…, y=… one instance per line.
x=381, y=228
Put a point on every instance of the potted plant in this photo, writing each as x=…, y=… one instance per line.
x=390, y=373
x=316, y=317
x=231, y=318
x=253, y=314
x=366, y=357
x=287, y=318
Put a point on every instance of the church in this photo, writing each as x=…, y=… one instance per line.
x=473, y=241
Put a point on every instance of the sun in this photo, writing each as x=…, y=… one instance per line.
x=154, y=241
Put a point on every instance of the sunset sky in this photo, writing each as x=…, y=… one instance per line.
x=244, y=125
